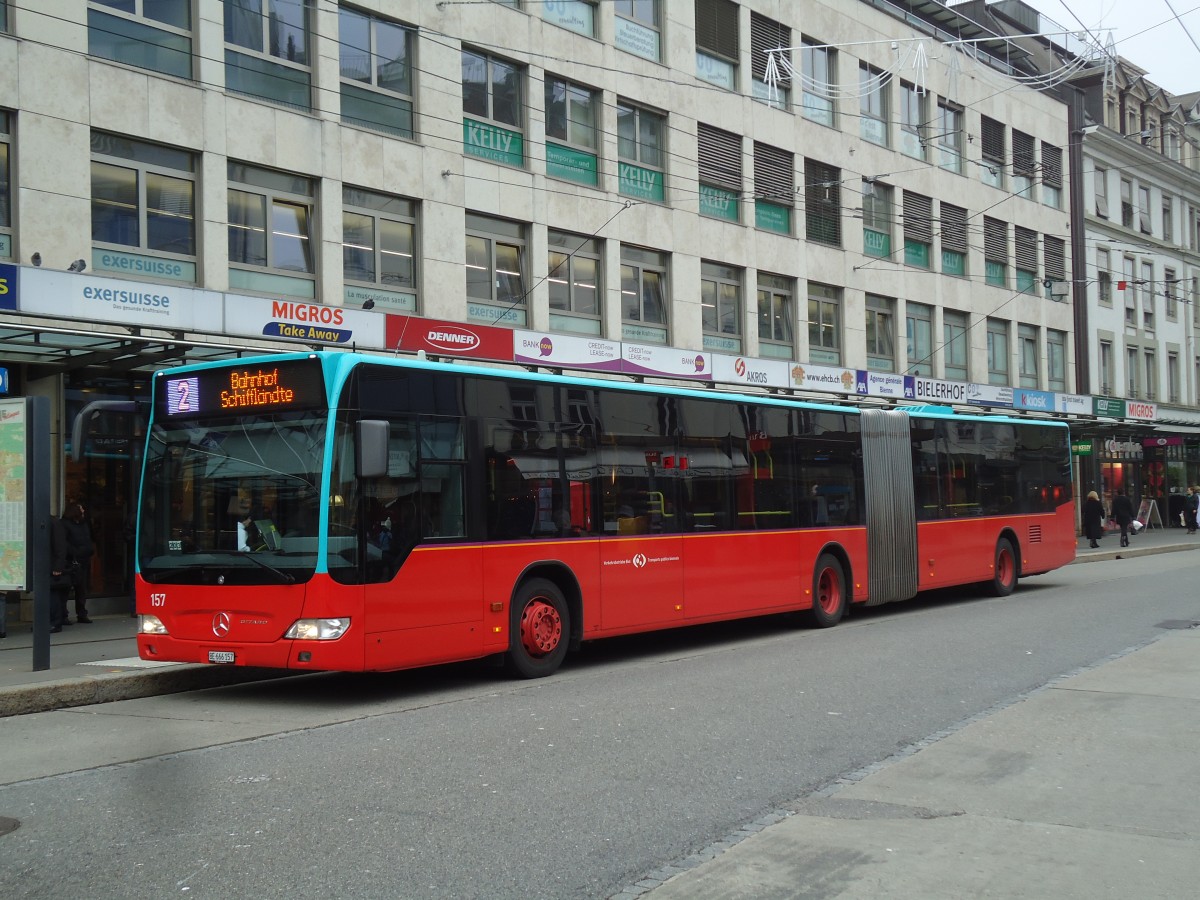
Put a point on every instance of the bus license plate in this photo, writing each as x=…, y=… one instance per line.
x=220, y=656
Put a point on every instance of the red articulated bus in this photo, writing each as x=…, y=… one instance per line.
x=334, y=511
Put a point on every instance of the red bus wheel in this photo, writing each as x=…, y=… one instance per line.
x=1004, y=572
x=829, y=592
x=540, y=629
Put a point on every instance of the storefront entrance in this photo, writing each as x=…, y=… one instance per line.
x=104, y=481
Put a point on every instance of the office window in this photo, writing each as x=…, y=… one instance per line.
x=1130, y=288
x=150, y=34
x=874, y=88
x=1052, y=176
x=640, y=149
x=1027, y=354
x=573, y=265
x=1131, y=373
x=817, y=66
x=824, y=324
x=574, y=15
x=1172, y=378
x=1149, y=298
x=720, y=163
x=919, y=331
x=954, y=239
x=994, y=151
x=1025, y=258
x=266, y=50
x=1106, y=368
x=1151, y=362
x=767, y=35
x=1056, y=360
x=776, y=316
x=495, y=270
x=1100, y=187
x=1054, y=263
x=949, y=135
x=995, y=251
x=914, y=106
x=717, y=42
x=955, y=346
x=721, y=307
x=376, y=58
x=997, y=351
x=143, y=208
x=918, y=229
x=877, y=218
x=881, y=333
x=774, y=188
x=379, y=250
x=822, y=203
x=1024, y=164
x=638, y=27
x=6, y=237
x=1170, y=283
x=493, y=108
x=644, y=295
x=271, y=231
x=1143, y=210
x=4, y=16
x=571, y=142
x=1104, y=277
x=1126, y=203
x=1168, y=221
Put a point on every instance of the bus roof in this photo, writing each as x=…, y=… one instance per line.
x=340, y=363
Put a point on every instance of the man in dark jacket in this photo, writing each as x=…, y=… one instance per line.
x=1122, y=511
x=79, y=556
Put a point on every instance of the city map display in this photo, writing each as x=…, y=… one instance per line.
x=13, y=427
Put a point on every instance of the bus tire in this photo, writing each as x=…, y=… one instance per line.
x=828, y=593
x=539, y=629
x=1004, y=571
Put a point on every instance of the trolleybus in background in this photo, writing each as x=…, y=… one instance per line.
x=334, y=511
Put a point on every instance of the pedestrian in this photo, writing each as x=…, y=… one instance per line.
x=80, y=550
x=1122, y=511
x=1093, y=519
x=60, y=580
x=1191, y=507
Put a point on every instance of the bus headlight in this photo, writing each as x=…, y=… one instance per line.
x=317, y=629
x=151, y=625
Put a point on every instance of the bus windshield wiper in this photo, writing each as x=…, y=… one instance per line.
x=285, y=577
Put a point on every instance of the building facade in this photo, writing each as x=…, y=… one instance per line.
x=867, y=200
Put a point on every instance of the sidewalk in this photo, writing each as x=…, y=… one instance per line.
x=98, y=663
x=1088, y=788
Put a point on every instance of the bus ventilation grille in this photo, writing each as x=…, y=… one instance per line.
x=1035, y=534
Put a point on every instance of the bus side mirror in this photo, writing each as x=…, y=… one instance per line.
x=372, y=443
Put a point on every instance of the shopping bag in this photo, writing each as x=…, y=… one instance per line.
x=1135, y=526
x=1183, y=520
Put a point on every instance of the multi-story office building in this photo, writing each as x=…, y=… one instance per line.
x=861, y=198
x=1137, y=224
x=1141, y=186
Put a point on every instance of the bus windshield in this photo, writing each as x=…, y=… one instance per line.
x=232, y=501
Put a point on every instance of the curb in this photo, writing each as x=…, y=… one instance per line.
x=111, y=686
x=1129, y=552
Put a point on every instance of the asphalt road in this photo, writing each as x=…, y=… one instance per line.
x=456, y=782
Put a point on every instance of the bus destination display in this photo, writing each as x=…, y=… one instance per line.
x=294, y=384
